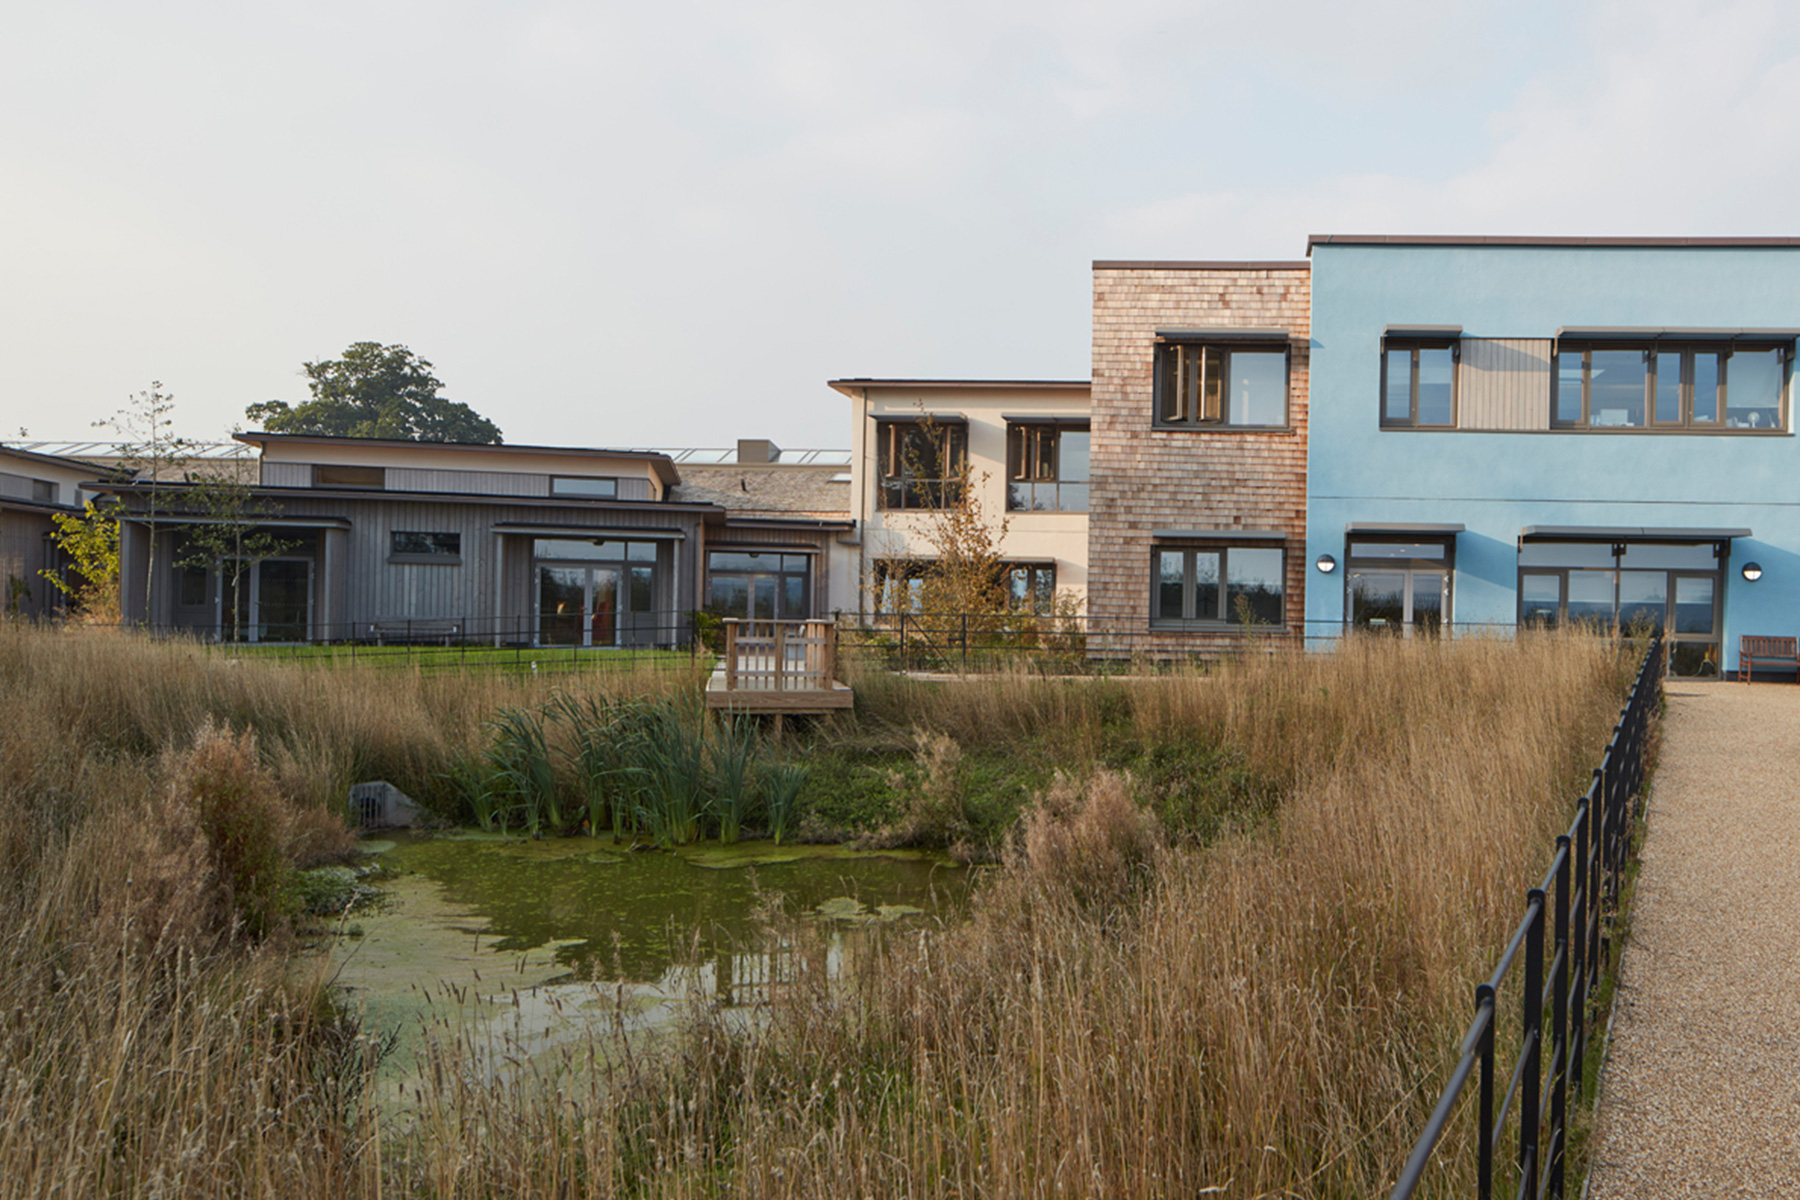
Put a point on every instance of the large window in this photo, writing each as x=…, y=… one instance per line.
x=921, y=464
x=1397, y=584
x=757, y=584
x=1674, y=589
x=1418, y=383
x=1206, y=584
x=1031, y=587
x=1201, y=384
x=1704, y=386
x=1047, y=468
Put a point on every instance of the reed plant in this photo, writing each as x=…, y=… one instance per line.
x=781, y=784
x=524, y=772
x=732, y=755
x=672, y=763
x=1268, y=1012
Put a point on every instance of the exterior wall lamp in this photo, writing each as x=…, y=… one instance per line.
x=1752, y=571
x=1328, y=564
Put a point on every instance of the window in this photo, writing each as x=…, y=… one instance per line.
x=436, y=547
x=1203, y=384
x=1031, y=587
x=1047, y=468
x=1737, y=385
x=1216, y=584
x=899, y=585
x=584, y=488
x=1418, y=383
x=1637, y=587
x=43, y=491
x=921, y=464
x=191, y=585
x=1399, y=584
x=593, y=551
x=757, y=584
x=355, y=477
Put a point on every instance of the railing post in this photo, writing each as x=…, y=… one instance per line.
x=1484, y=1146
x=965, y=643
x=781, y=663
x=1559, y=1021
x=731, y=656
x=1578, y=959
x=1531, y=1045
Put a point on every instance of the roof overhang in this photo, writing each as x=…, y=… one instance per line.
x=1421, y=528
x=1422, y=331
x=251, y=521
x=1629, y=533
x=1663, y=333
x=1601, y=243
x=588, y=533
x=1223, y=333
x=1220, y=535
x=1084, y=420
x=661, y=463
x=855, y=387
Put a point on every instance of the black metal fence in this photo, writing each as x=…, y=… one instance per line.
x=1562, y=945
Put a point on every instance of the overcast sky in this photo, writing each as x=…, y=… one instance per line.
x=668, y=225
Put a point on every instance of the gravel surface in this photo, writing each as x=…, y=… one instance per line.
x=1700, y=1094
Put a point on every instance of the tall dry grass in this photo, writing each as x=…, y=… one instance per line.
x=1270, y=1014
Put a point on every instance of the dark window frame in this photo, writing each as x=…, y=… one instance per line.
x=1039, y=578
x=447, y=551
x=1192, y=414
x=904, y=483
x=1355, y=562
x=1393, y=344
x=580, y=493
x=1224, y=616
x=780, y=568
x=1025, y=452
x=349, y=475
x=1653, y=349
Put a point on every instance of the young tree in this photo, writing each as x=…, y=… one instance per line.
x=228, y=534
x=963, y=574
x=91, y=541
x=154, y=456
x=376, y=391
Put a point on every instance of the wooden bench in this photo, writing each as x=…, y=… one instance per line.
x=1756, y=650
x=406, y=632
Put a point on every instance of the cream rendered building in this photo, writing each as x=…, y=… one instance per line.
x=1026, y=446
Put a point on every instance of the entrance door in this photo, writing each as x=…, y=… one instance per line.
x=578, y=606
x=1403, y=602
x=271, y=602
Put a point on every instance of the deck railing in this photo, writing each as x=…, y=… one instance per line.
x=792, y=656
x=1565, y=943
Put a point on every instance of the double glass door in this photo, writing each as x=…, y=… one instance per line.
x=578, y=606
x=1400, y=601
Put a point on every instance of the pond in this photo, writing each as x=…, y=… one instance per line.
x=498, y=923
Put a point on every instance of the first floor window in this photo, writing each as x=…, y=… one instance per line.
x=415, y=544
x=1637, y=588
x=1217, y=584
x=921, y=464
x=1046, y=468
x=1705, y=386
x=1396, y=585
x=757, y=584
x=1418, y=386
x=1201, y=384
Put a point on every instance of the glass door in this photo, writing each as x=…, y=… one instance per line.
x=1404, y=602
x=578, y=606
x=270, y=601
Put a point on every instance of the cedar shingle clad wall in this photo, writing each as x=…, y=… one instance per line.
x=1145, y=479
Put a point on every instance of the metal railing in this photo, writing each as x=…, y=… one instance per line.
x=1563, y=946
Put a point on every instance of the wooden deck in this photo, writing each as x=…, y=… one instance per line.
x=778, y=667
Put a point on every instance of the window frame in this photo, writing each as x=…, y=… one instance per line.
x=893, y=472
x=1024, y=451
x=1224, y=618
x=1039, y=577
x=349, y=475
x=1391, y=345
x=579, y=493
x=1170, y=346
x=449, y=556
x=1689, y=349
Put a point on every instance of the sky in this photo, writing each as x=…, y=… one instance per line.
x=613, y=224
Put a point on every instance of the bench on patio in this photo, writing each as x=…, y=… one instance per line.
x=1756, y=650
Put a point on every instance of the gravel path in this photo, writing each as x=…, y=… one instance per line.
x=1701, y=1090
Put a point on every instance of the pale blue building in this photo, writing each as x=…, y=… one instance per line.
x=1510, y=431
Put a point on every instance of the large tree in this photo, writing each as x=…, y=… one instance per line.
x=376, y=391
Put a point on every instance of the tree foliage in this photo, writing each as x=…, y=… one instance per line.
x=154, y=456
x=231, y=538
x=376, y=391
x=91, y=541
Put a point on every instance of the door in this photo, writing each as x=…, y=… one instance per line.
x=270, y=601
x=1404, y=602
x=578, y=606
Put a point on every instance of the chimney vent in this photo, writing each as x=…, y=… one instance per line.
x=757, y=452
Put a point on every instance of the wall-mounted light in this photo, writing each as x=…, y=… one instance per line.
x=1752, y=571
x=1326, y=564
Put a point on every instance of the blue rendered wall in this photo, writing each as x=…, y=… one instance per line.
x=1498, y=483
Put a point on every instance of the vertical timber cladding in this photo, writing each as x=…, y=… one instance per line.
x=1146, y=479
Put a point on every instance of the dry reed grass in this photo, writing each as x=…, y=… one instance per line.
x=1268, y=1015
